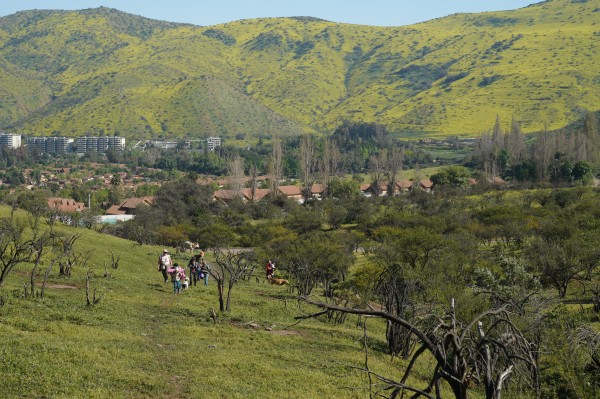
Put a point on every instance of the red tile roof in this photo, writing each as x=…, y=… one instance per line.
x=404, y=184
x=290, y=191
x=259, y=193
x=129, y=205
x=426, y=183
x=65, y=204
x=114, y=210
x=225, y=195
x=132, y=203
x=317, y=188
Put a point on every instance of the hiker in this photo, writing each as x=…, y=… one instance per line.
x=270, y=269
x=194, y=266
x=204, y=272
x=165, y=263
x=177, y=274
x=184, y=280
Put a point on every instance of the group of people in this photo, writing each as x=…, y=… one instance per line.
x=199, y=270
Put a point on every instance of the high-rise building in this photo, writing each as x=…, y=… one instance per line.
x=99, y=144
x=50, y=145
x=117, y=143
x=10, y=140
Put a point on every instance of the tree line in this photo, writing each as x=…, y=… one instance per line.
x=567, y=155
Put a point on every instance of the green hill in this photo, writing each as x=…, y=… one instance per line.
x=142, y=341
x=102, y=71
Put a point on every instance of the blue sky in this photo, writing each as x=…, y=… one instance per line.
x=202, y=12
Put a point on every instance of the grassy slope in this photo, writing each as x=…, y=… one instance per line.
x=112, y=71
x=141, y=341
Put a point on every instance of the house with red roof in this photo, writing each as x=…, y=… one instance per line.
x=227, y=196
x=366, y=189
x=65, y=204
x=129, y=205
x=317, y=190
x=258, y=194
x=291, y=192
x=404, y=185
x=426, y=185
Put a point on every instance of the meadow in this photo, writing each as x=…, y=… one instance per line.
x=142, y=341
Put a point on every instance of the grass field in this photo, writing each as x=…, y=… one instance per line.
x=142, y=341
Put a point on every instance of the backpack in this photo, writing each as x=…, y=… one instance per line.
x=164, y=261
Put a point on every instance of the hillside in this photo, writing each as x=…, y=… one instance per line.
x=142, y=341
x=102, y=71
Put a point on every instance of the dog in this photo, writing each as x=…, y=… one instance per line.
x=185, y=283
x=278, y=281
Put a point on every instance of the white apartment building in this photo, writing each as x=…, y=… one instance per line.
x=10, y=140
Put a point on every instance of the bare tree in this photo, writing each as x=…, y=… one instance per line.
x=329, y=163
x=542, y=153
x=377, y=165
x=590, y=131
x=307, y=153
x=15, y=247
x=486, y=349
x=232, y=266
x=394, y=165
x=93, y=300
x=277, y=163
x=253, y=183
x=39, y=246
x=114, y=259
x=71, y=257
x=515, y=142
x=235, y=168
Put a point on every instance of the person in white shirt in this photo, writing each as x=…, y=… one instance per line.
x=164, y=263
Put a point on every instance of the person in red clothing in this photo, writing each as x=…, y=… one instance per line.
x=270, y=269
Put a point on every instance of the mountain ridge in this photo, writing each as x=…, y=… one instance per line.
x=102, y=71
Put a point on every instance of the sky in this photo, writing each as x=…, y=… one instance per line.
x=213, y=12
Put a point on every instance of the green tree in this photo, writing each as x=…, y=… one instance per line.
x=558, y=261
x=343, y=188
x=314, y=258
x=457, y=176
x=582, y=171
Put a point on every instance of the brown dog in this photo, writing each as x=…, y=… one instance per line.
x=278, y=281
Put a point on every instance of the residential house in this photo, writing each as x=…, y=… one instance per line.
x=426, y=185
x=291, y=192
x=65, y=204
x=366, y=190
x=317, y=190
x=258, y=195
x=128, y=206
x=227, y=196
x=404, y=185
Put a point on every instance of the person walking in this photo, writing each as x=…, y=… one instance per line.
x=177, y=274
x=270, y=269
x=194, y=266
x=164, y=264
x=204, y=271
